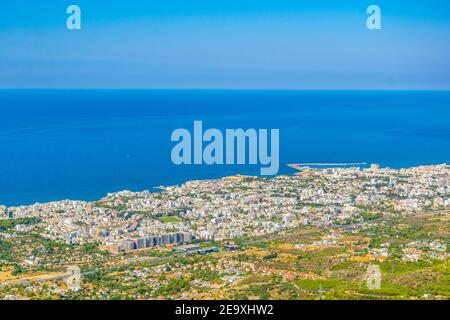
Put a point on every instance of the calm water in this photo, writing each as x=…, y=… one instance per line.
x=84, y=144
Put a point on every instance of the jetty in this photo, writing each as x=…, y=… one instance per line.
x=302, y=166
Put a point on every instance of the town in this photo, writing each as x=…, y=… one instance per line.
x=213, y=234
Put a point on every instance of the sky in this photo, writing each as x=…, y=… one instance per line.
x=226, y=44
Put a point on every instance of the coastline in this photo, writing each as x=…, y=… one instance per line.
x=300, y=168
x=95, y=145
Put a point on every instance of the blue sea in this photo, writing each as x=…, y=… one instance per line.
x=82, y=144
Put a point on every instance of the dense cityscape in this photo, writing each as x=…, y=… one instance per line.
x=310, y=235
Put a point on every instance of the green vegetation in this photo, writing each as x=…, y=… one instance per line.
x=169, y=219
x=270, y=256
x=11, y=223
x=265, y=267
x=368, y=216
x=172, y=287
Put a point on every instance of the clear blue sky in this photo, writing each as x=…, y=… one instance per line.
x=277, y=44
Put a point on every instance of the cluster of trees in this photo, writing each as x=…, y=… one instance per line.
x=270, y=256
x=11, y=223
x=5, y=251
x=174, y=286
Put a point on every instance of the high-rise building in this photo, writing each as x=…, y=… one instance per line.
x=173, y=238
x=187, y=237
x=165, y=239
x=151, y=241
x=140, y=243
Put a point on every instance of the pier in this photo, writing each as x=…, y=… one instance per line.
x=301, y=166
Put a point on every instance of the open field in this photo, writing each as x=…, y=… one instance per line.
x=303, y=263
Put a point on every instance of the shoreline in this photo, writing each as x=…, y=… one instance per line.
x=299, y=168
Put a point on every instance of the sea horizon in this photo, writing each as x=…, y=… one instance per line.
x=257, y=89
x=84, y=143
